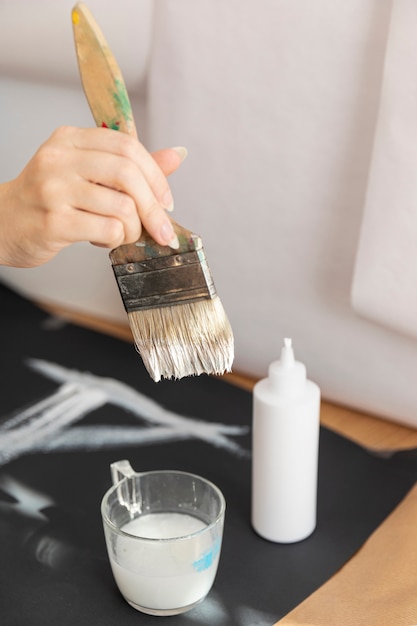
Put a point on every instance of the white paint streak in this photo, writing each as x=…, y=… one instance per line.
x=28, y=502
x=211, y=611
x=99, y=437
x=247, y=616
x=44, y=426
x=214, y=611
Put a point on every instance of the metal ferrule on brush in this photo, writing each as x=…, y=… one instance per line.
x=165, y=281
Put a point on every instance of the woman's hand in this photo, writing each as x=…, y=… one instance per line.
x=96, y=185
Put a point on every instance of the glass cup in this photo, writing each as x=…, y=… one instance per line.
x=163, y=532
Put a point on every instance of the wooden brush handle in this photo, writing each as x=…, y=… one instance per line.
x=101, y=78
x=109, y=102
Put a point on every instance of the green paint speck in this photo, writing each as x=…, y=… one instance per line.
x=122, y=100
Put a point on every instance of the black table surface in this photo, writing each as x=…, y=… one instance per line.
x=72, y=402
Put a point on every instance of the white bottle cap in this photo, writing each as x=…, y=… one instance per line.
x=287, y=376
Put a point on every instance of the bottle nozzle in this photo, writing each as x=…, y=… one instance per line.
x=287, y=354
x=287, y=375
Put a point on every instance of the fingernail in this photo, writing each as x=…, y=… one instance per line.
x=181, y=151
x=168, y=201
x=169, y=236
x=174, y=243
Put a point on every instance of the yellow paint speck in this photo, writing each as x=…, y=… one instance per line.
x=75, y=17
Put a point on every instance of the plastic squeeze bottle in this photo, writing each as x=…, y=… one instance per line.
x=285, y=445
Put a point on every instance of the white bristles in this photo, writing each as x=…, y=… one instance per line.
x=184, y=340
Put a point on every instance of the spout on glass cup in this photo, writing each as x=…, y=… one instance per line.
x=121, y=469
x=121, y=472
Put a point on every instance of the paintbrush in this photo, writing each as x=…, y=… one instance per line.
x=177, y=320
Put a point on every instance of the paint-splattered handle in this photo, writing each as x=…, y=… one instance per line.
x=107, y=96
x=101, y=77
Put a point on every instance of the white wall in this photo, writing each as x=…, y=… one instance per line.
x=277, y=102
